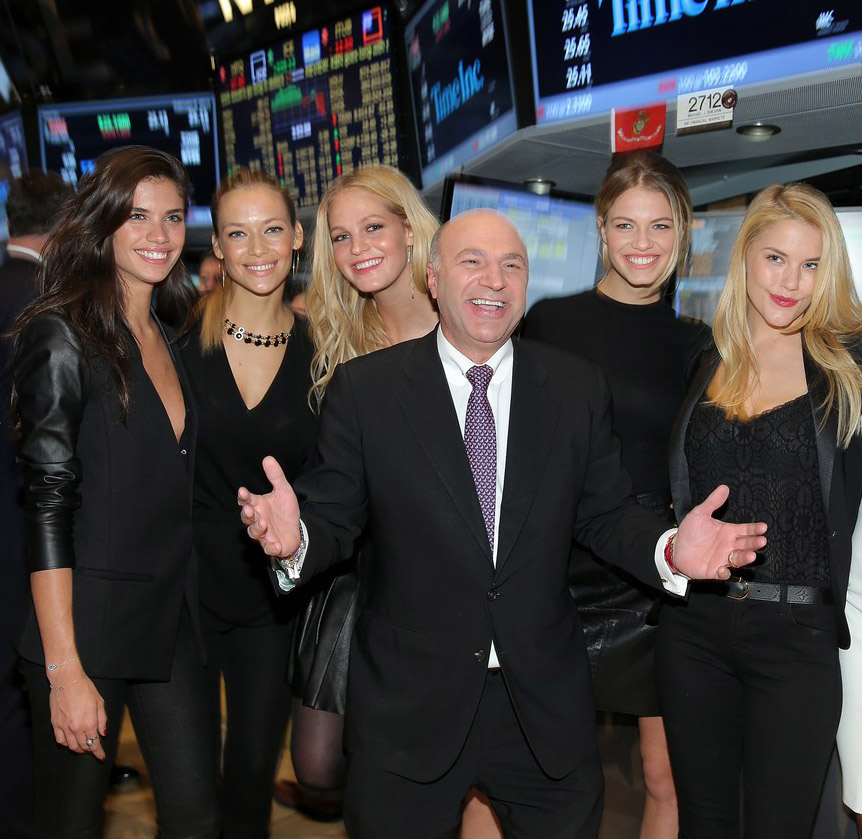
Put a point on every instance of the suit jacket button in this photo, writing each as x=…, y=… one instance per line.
x=491, y=595
x=479, y=655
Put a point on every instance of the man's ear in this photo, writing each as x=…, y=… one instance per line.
x=432, y=281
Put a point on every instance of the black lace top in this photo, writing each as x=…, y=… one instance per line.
x=770, y=464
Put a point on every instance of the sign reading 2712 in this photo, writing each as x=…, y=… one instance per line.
x=705, y=111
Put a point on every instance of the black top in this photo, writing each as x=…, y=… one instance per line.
x=770, y=464
x=107, y=497
x=232, y=441
x=645, y=351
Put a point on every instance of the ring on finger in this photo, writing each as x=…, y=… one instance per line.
x=91, y=741
x=730, y=560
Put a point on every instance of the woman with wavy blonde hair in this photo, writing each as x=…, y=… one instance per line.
x=774, y=413
x=353, y=311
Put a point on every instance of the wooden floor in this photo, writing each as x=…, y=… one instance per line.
x=130, y=813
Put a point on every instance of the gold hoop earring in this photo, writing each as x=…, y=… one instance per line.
x=222, y=273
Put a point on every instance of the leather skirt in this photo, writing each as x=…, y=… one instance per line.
x=321, y=648
x=618, y=616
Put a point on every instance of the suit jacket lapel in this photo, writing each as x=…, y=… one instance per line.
x=533, y=418
x=826, y=427
x=679, y=476
x=427, y=403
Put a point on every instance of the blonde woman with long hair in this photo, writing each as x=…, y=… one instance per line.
x=248, y=360
x=748, y=668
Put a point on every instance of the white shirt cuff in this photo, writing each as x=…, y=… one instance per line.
x=674, y=583
x=287, y=569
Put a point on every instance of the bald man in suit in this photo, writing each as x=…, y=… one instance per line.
x=468, y=665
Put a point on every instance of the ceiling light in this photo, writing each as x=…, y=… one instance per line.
x=541, y=186
x=757, y=132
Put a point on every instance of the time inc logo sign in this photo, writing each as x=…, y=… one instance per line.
x=284, y=14
x=633, y=15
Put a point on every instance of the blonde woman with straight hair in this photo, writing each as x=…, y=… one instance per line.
x=249, y=363
x=748, y=668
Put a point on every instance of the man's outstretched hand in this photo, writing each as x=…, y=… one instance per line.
x=272, y=519
x=708, y=549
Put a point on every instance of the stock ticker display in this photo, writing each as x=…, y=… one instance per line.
x=314, y=105
x=73, y=135
x=593, y=55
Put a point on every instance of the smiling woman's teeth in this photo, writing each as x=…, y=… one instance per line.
x=153, y=254
x=641, y=260
x=268, y=267
x=370, y=263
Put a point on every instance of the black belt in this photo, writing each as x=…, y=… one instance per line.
x=736, y=588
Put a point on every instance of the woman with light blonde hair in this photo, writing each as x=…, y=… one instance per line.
x=350, y=315
x=748, y=668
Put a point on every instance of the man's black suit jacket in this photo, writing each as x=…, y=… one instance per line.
x=392, y=460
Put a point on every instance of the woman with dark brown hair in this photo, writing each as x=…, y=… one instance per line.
x=107, y=437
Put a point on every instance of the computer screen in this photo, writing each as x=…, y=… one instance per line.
x=13, y=160
x=460, y=81
x=593, y=55
x=73, y=135
x=313, y=105
x=559, y=230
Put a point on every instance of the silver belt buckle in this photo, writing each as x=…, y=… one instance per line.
x=745, y=588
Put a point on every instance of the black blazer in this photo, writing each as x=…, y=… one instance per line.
x=109, y=499
x=840, y=475
x=392, y=459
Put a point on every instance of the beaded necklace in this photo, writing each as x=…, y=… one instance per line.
x=240, y=333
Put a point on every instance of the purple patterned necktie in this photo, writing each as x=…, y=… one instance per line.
x=480, y=440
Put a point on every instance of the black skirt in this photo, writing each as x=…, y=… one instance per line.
x=321, y=647
x=618, y=617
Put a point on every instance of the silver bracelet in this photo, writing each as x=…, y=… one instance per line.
x=63, y=687
x=52, y=667
x=288, y=563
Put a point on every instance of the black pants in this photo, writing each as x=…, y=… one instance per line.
x=751, y=693
x=15, y=772
x=253, y=661
x=175, y=740
x=496, y=760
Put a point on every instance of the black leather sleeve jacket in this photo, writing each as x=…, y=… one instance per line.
x=52, y=382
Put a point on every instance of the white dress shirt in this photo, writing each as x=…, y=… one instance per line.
x=455, y=366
